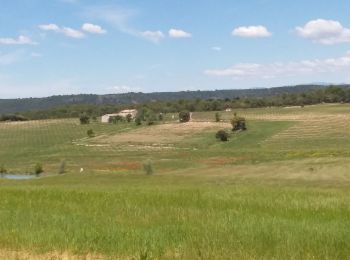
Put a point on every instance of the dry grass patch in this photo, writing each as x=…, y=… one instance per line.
x=160, y=134
x=26, y=255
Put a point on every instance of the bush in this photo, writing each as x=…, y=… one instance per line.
x=62, y=168
x=222, y=135
x=238, y=123
x=2, y=170
x=116, y=119
x=217, y=117
x=84, y=119
x=38, y=169
x=13, y=118
x=128, y=118
x=138, y=121
x=90, y=133
x=148, y=168
x=184, y=116
x=160, y=117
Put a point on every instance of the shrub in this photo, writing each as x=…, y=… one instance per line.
x=238, y=123
x=138, y=121
x=84, y=119
x=151, y=118
x=222, y=135
x=2, y=170
x=116, y=119
x=38, y=169
x=62, y=168
x=148, y=168
x=90, y=133
x=128, y=118
x=160, y=117
x=184, y=116
x=217, y=117
x=13, y=118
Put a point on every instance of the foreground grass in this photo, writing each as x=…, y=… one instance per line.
x=168, y=217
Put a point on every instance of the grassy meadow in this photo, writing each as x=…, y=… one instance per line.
x=280, y=190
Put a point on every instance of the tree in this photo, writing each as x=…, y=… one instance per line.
x=138, y=121
x=62, y=168
x=184, y=116
x=222, y=135
x=128, y=118
x=84, y=119
x=238, y=123
x=2, y=170
x=38, y=169
x=116, y=119
x=217, y=117
x=90, y=133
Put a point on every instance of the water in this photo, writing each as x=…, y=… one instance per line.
x=17, y=177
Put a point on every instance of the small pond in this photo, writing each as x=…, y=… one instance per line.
x=17, y=176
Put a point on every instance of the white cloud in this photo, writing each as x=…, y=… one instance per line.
x=114, y=15
x=92, y=28
x=216, y=48
x=49, y=27
x=120, y=19
x=272, y=70
x=324, y=31
x=154, y=36
x=72, y=33
x=21, y=40
x=251, y=32
x=67, y=31
x=177, y=33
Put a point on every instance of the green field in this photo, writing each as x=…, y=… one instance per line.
x=280, y=190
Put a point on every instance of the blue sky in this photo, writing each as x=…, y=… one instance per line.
x=84, y=46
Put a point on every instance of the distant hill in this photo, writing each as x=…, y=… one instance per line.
x=29, y=104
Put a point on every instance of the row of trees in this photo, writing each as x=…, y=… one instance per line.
x=327, y=95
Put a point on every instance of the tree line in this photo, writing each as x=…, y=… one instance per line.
x=331, y=94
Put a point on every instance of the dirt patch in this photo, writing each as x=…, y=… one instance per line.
x=23, y=255
x=161, y=134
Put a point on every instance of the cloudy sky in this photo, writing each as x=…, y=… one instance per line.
x=87, y=46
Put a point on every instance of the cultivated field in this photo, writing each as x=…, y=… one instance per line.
x=280, y=190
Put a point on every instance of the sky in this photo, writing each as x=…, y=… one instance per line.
x=54, y=47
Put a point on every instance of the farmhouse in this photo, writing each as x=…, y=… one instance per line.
x=123, y=113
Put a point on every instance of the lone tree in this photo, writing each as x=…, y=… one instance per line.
x=222, y=135
x=84, y=119
x=38, y=169
x=217, y=117
x=238, y=123
x=184, y=116
x=90, y=133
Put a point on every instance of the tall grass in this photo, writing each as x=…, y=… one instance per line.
x=126, y=216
